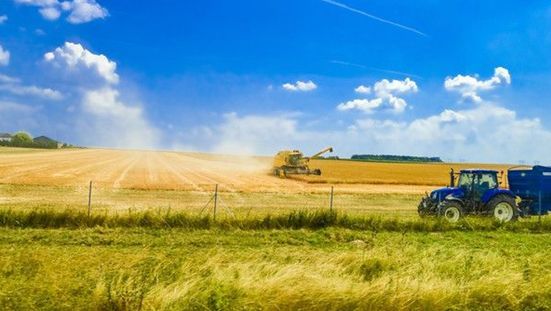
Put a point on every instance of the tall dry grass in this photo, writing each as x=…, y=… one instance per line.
x=328, y=269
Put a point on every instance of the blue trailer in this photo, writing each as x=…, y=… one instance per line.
x=533, y=187
x=479, y=192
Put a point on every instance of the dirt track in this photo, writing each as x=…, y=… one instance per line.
x=160, y=170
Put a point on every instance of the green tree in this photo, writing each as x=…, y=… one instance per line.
x=21, y=139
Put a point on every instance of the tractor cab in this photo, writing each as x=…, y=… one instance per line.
x=475, y=184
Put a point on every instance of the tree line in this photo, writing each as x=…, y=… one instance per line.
x=393, y=158
x=24, y=140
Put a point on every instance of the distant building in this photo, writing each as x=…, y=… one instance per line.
x=5, y=137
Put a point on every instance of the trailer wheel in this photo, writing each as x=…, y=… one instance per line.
x=452, y=211
x=503, y=208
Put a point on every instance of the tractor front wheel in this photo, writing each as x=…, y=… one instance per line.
x=452, y=211
x=503, y=208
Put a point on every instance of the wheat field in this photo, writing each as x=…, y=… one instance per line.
x=166, y=170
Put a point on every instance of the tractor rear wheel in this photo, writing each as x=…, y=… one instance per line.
x=503, y=208
x=452, y=211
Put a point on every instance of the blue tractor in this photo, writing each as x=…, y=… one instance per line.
x=478, y=192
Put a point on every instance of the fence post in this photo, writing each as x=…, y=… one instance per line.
x=331, y=200
x=90, y=199
x=215, y=201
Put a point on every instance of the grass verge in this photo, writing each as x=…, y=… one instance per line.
x=305, y=219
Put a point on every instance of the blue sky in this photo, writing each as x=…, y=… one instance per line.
x=221, y=76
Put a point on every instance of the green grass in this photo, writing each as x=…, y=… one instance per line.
x=327, y=269
x=303, y=219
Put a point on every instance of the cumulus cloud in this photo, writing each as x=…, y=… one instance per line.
x=106, y=119
x=386, y=96
x=485, y=133
x=469, y=87
x=300, y=86
x=83, y=11
x=4, y=57
x=80, y=11
x=385, y=87
x=74, y=57
x=50, y=13
x=3, y=19
x=362, y=89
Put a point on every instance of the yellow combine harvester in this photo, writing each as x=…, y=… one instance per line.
x=293, y=162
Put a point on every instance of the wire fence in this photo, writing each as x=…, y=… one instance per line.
x=93, y=198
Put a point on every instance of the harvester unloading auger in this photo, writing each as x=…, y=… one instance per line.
x=293, y=162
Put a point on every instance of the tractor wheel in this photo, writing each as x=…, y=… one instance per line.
x=503, y=208
x=452, y=211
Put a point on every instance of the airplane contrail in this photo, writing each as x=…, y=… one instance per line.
x=382, y=20
x=401, y=73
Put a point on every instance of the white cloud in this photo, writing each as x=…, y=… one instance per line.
x=83, y=11
x=50, y=13
x=14, y=86
x=300, y=86
x=469, y=87
x=253, y=133
x=32, y=90
x=40, y=32
x=6, y=106
x=8, y=79
x=80, y=11
x=485, y=133
x=4, y=57
x=74, y=57
x=3, y=19
x=385, y=87
x=362, y=89
x=110, y=122
x=105, y=118
x=366, y=105
x=386, y=96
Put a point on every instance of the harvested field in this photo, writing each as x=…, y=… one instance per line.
x=165, y=170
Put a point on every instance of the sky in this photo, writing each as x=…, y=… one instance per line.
x=462, y=80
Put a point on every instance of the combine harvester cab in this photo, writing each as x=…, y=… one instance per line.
x=533, y=187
